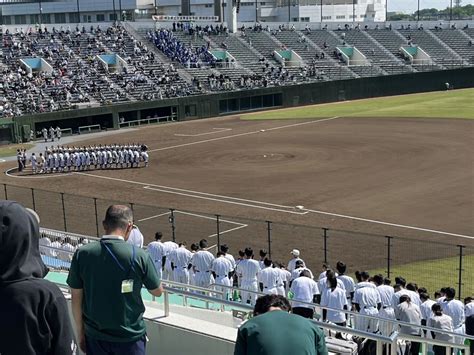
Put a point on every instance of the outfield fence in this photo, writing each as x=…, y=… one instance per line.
x=431, y=264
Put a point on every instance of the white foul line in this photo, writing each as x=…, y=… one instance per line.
x=240, y=225
x=280, y=210
x=155, y=216
x=225, y=201
x=217, y=130
x=240, y=134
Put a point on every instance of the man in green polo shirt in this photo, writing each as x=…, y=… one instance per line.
x=274, y=331
x=106, y=278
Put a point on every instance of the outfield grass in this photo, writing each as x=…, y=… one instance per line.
x=434, y=274
x=441, y=104
x=10, y=150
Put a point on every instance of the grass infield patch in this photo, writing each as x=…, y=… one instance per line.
x=440, y=104
x=437, y=273
x=10, y=150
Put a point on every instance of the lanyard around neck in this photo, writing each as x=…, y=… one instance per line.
x=132, y=260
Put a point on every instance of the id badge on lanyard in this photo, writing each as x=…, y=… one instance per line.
x=127, y=284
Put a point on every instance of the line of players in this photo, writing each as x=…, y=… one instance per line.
x=66, y=159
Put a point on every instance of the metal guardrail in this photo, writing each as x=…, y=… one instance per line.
x=90, y=128
x=147, y=121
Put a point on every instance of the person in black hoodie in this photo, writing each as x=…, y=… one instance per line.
x=34, y=317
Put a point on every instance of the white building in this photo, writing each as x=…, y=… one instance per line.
x=69, y=11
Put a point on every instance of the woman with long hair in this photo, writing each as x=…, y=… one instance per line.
x=440, y=321
x=334, y=297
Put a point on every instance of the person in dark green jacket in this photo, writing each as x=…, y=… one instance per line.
x=274, y=331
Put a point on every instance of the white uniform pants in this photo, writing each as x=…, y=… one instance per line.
x=203, y=279
x=225, y=281
x=158, y=269
x=281, y=291
x=270, y=291
x=367, y=324
x=250, y=285
x=386, y=328
x=181, y=275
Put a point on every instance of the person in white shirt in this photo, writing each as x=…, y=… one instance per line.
x=367, y=302
x=334, y=297
x=67, y=250
x=408, y=312
x=136, y=237
x=222, y=267
x=325, y=267
x=401, y=282
x=323, y=282
x=386, y=311
x=269, y=278
x=55, y=247
x=247, y=270
x=201, y=262
x=440, y=321
x=225, y=251
x=168, y=271
x=157, y=253
x=45, y=246
x=292, y=263
x=348, y=282
x=299, y=268
x=454, y=309
x=303, y=289
x=263, y=255
x=469, y=313
x=180, y=259
x=285, y=277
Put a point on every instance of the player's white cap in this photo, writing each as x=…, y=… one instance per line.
x=295, y=252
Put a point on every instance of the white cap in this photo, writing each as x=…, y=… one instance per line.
x=295, y=252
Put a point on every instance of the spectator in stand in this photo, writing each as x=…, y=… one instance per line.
x=274, y=331
x=469, y=313
x=135, y=237
x=304, y=291
x=292, y=263
x=455, y=309
x=440, y=321
x=408, y=312
x=334, y=297
x=111, y=273
x=34, y=312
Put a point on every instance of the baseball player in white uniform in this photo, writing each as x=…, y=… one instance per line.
x=247, y=270
x=366, y=301
x=386, y=311
x=455, y=309
x=202, y=262
x=299, y=267
x=304, y=289
x=135, y=237
x=33, y=163
x=168, y=271
x=157, y=253
x=180, y=259
x=222, y=267
x=269, y=278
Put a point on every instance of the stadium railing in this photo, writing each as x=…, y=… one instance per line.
x=213, y=296
x=147, y=121
x=90, y=128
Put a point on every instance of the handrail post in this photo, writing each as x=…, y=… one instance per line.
x=166, y=300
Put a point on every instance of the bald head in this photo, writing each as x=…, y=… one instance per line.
x=118, y=220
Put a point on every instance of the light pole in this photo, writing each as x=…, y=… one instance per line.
x=256, y=11
x=353, y=11
x=418, y=13
x=321, y=12
x=451, y=11
x=78, y=13
x=40, y=13
x=115, y=12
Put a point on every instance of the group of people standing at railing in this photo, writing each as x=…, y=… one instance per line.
x=367, y=295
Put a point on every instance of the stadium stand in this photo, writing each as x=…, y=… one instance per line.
x=182, y=63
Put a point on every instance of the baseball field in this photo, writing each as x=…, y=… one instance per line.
x=334, y=180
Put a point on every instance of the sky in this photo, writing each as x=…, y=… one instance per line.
x=410, y=6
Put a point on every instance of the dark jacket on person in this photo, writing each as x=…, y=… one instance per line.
x=34, y=317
